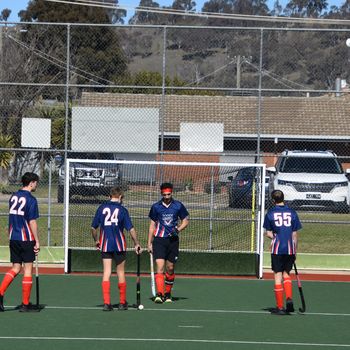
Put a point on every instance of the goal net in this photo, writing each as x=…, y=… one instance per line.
x=225, y=202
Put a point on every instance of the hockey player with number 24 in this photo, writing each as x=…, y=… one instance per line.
x=112, y=218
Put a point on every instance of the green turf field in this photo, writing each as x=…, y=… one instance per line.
x=51, y=255
x=208, y=314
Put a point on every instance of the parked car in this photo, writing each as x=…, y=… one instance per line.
x=311, y=179
x=241, y=187
x=89, y=179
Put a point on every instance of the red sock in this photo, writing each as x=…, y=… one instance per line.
x=279, y=295
x=169, y=282
x=160, y=283
x=288, y=289
x=122, y=292
x=7, y=280
x=26, y=289
x=106, y=292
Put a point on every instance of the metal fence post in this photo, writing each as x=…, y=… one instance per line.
x=258, y=126
x=66, y=121
x=49, y=206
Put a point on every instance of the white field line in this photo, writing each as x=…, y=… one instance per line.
x=49, y=251
x=167, y=340
x=262, y=312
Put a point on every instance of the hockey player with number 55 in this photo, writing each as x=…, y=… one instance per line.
x=281, y=225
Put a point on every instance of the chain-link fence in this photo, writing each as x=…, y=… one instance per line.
x=178, y=93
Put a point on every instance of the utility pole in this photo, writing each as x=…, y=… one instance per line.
x=239, y=60
x=238, y=77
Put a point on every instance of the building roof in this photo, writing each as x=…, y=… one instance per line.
x=325, y=117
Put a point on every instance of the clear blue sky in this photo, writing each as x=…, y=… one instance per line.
x=17, y=5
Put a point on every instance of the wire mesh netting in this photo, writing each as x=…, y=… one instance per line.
x=171, y=93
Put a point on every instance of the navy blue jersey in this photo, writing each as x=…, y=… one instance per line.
x=23, y=207
x=112, y=218
x=166, y=217
x=282, y=221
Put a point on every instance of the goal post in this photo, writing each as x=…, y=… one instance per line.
x=225, y=202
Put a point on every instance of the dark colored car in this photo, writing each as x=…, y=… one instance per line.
x=241, y=188
x=89, y=179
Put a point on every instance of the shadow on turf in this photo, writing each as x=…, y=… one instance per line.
x=270, y=309
x=134, y=306
x=115, y=306
x=36, y=308
x=174, y=298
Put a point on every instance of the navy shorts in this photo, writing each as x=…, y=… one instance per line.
x=280, y=263
x=22, y=251
x=118, y=257
x=166, y=248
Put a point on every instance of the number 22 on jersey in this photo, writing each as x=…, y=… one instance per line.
x=15, y=209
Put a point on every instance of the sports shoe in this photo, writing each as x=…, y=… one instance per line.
x=279, y=312
x=158, y=299
x=167, y=298
x=107, y=307
x=123, y=307
x=28, y=308
x=2, y=309
x=289, y=305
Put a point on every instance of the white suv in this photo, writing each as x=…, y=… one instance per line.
x=311, y=179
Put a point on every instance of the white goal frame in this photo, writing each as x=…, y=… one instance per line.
x=259, y=236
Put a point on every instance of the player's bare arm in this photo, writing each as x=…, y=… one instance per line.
x=133, y=235
x=95, y=237
x=34, y=228
x=269, y=234
x=183, y=225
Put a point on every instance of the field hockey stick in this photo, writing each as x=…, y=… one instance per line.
x=303, y=306
x=138, y=279
x=37, y=282
x=153, y=283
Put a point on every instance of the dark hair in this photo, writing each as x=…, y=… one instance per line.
x=116, y=192
x=28, y=177
x=166, y=185
x=277, y=196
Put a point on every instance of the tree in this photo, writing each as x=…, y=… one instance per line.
x=142, y=17
x=5, y=157
x=218, y=6
x=96, y=53
x=306, y=8
x=245, y=7
x=277, y=9
x=36, y=54
x=43, y=11
x=344, y=10
x=250, y=7
x=117, y=15
x=5, y=14
x=182, y=5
